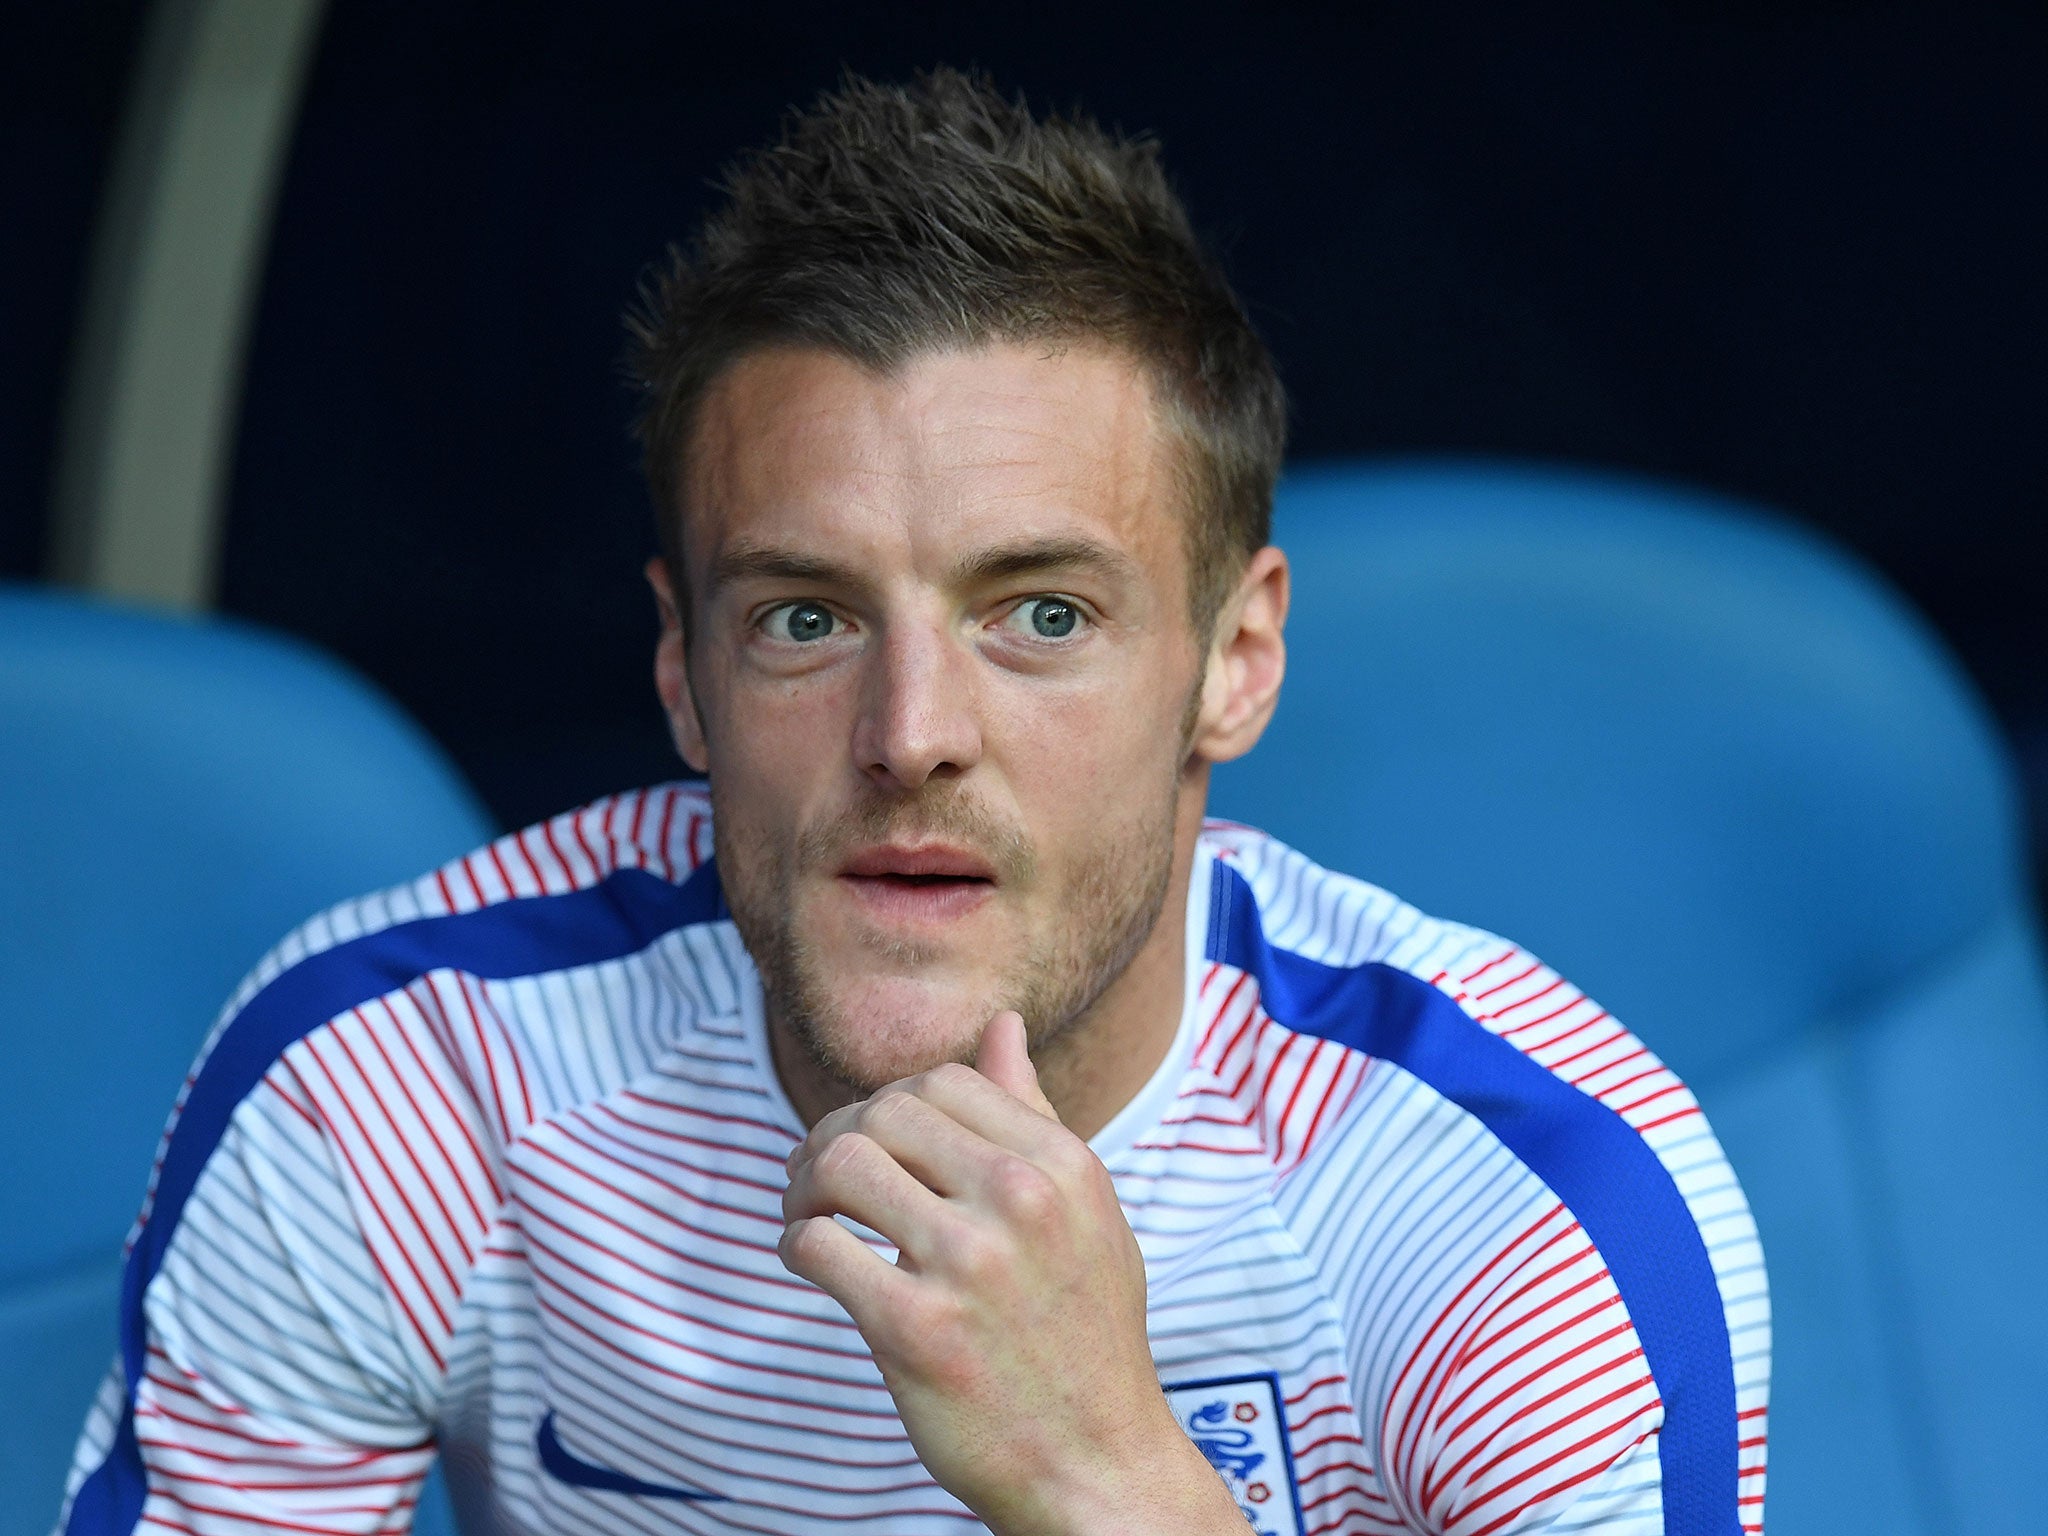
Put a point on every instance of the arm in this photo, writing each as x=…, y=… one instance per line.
x=1011, y=1331
x=1603, y=1362
x=285, y=1320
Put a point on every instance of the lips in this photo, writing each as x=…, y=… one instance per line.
x=931, y=861
x=931, y=883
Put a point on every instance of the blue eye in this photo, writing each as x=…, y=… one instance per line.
x=1052, y=618
x=801, y=622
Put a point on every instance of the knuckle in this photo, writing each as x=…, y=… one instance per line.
x=951, y=1075
x=1026, y=1192
x=803, y=1242
x=890, y=1111
x=844, y=1155
x=1074, y=1161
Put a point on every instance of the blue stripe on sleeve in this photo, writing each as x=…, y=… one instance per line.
x=1593, y=1160
x=527, y=936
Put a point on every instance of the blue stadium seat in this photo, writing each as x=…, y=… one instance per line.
x=177, y=795
x=1721, y=777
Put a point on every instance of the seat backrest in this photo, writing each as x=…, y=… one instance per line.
x=177, y=794
x=1715, y=772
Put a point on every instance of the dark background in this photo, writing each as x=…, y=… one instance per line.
x=1795, y=253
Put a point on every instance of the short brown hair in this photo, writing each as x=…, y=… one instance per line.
x=889, y=221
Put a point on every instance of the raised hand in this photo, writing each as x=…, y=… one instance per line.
x=1011, y=1329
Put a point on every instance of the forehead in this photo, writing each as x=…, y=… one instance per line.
x=949, y=451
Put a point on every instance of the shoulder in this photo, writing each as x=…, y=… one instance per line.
x=1466, y=1010
x=561, y=892
x=1320, y=915
x=1475, y=1018
x=1500, y=1121
x=663, y=833
x=430, y=993
x=593, y=884
x=336, y=1158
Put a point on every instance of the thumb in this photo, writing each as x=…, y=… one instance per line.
x=1004, y=1059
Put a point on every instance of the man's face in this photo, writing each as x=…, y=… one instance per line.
x=942, y=662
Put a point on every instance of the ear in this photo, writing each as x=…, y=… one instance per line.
x=1247, y=659
x=672, y=675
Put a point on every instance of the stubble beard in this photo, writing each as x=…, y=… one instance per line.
x=1108, y=908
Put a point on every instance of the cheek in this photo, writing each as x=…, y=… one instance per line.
x=777, y=766
x=774, y=735
x=1094, y=754
x=775, y=756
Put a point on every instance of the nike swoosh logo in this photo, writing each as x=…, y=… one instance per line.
x=577, y=1473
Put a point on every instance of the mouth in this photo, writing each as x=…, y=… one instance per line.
x=929, y=883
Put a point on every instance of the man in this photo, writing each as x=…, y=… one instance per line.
x=933, y=1122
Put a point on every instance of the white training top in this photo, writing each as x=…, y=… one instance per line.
x=492, y=1164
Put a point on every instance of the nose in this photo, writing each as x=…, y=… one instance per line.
x=918, y=718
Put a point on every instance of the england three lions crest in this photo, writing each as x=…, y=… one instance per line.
x=1239, y=1423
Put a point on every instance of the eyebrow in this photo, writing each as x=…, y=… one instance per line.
x=760, y=562
x=1051, y=554
x=757, y=561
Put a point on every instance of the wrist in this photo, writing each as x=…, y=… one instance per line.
x=1158, y=1485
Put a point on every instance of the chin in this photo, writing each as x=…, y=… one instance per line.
x=881, y=1029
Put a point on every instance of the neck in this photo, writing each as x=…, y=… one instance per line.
x=1095, y=1066
x=1091, y=1070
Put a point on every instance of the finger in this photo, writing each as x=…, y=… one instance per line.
x=855, y=1176
x=995, y=1114
x=823, y=1252
x=919, y=1135
x=1004, y=1058
x=837, y=1123
x=934, y=1148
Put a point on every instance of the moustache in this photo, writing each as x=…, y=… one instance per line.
x=931, y=813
